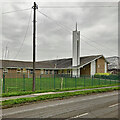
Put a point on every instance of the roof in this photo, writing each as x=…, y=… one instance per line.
x=59, y=63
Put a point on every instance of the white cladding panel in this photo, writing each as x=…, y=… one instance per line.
x=78, y=73
x=105, y=67
x=76, y=48
x=76, y=52
x=74, y=72
x=93, y=67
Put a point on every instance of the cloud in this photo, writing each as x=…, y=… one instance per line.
x=55, y=36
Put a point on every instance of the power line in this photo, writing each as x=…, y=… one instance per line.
x=91, y=45
x=97, y=43
x=59, y=24
x=109, y=6
x=16, y=11
x=65, y=27
x=24, y=36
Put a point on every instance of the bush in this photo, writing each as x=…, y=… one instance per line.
x=103, y=74
x=107, y=76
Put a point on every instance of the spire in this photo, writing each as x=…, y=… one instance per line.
x=76, y=26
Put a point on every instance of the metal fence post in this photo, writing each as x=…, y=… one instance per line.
x=49, y=81
x=105, y=80
x=84, y=81
x=92, y=80
x=54, y=80
x=65, y=82
x=116, y=81
x=99, y=80
x=23, y=82
x=40, y=82
x=110, y=81
x=75, y=81
x=3, y=83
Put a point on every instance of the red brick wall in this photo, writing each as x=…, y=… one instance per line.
x=100, y=65
x=85, y=70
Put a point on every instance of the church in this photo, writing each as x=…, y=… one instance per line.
x=75, y=66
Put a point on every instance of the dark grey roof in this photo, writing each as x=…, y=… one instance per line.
x=60, y=63
x=23, y=64
x=14, y=64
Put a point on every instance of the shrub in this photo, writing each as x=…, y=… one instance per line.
x=103, y=74
x=107, y=76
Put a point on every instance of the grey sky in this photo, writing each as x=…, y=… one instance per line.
x=99, y=25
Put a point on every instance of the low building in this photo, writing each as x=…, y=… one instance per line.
x=89, y=65
x=114, y=64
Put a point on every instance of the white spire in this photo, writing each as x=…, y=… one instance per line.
x=76, y=26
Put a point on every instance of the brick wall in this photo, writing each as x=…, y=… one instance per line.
x=85, y=70
x=100, y=65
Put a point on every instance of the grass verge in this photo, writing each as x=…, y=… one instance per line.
x=52, y=90
x=14, y=102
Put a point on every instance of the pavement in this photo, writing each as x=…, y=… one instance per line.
x=47, y=93
x=101, y=105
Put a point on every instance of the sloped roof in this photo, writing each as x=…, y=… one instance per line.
x=60, y=63
x=25, y=64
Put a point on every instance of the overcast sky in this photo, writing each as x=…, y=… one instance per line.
x=98, y=27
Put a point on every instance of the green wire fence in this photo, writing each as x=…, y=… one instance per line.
x=23, y=82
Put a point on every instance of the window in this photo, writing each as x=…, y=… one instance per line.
x=50, y=71
x=31, y=71
x=24, y=70
x=46, y=71
x=41, y=71
x=68, y=71
x=18, y=70
x=5, y=70
x=55, y=71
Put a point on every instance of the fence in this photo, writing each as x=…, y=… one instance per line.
x=21, y=82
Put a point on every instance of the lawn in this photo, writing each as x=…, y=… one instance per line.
x=50, y=83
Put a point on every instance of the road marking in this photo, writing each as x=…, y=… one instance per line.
x=80, y=115
x=113, y=105
x=62, y=103
x=77, y=116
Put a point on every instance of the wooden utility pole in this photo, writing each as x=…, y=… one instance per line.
x=34, y=36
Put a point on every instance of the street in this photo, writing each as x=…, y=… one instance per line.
x=102, y=105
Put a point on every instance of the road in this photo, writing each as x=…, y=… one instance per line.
x=102, y=105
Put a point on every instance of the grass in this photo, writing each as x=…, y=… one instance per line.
x=18, y=93
x=21, y=84
x=12, y=102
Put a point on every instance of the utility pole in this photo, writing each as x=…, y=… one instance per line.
x=34, y=37
x=6, y=52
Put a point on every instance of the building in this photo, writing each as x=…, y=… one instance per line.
x=75, y=66
x=114, y=64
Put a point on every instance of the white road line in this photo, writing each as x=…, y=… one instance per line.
x=113, y=105
x=77, y=116
x=62, y=103
x=80, y=115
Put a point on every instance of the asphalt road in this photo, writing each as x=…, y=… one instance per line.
x=102, y=105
